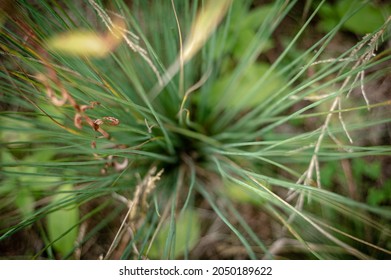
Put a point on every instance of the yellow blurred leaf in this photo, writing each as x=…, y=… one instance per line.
x=206, y=22
x=79, y=43
x=87, y=43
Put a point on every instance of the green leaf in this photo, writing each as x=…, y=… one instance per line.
x=187, y=234
x=377, y=196
x=25, y=202
x=366, y=20
x=16, y=130
x=365, y=168
x=243, y=94
x=247, y=30
x=329, y=174
x=62, y=224
x=240, y=35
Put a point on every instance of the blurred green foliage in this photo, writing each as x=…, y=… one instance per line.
x=366, y=19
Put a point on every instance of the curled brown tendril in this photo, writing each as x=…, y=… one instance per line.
x=53, y=84
x=111, y=161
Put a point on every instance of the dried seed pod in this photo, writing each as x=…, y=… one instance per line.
x=78, y=120
x=111, y=121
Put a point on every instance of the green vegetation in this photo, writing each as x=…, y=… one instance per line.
x=195, y=129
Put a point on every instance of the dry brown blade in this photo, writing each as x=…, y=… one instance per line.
x=143, y=190
x=124, y=242
x=351, y=184
x=79, y=239
x=371, y=42
x=136, y=207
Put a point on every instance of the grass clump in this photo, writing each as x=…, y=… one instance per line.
x=179, y=130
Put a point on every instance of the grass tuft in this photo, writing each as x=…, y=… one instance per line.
x=194, y=129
